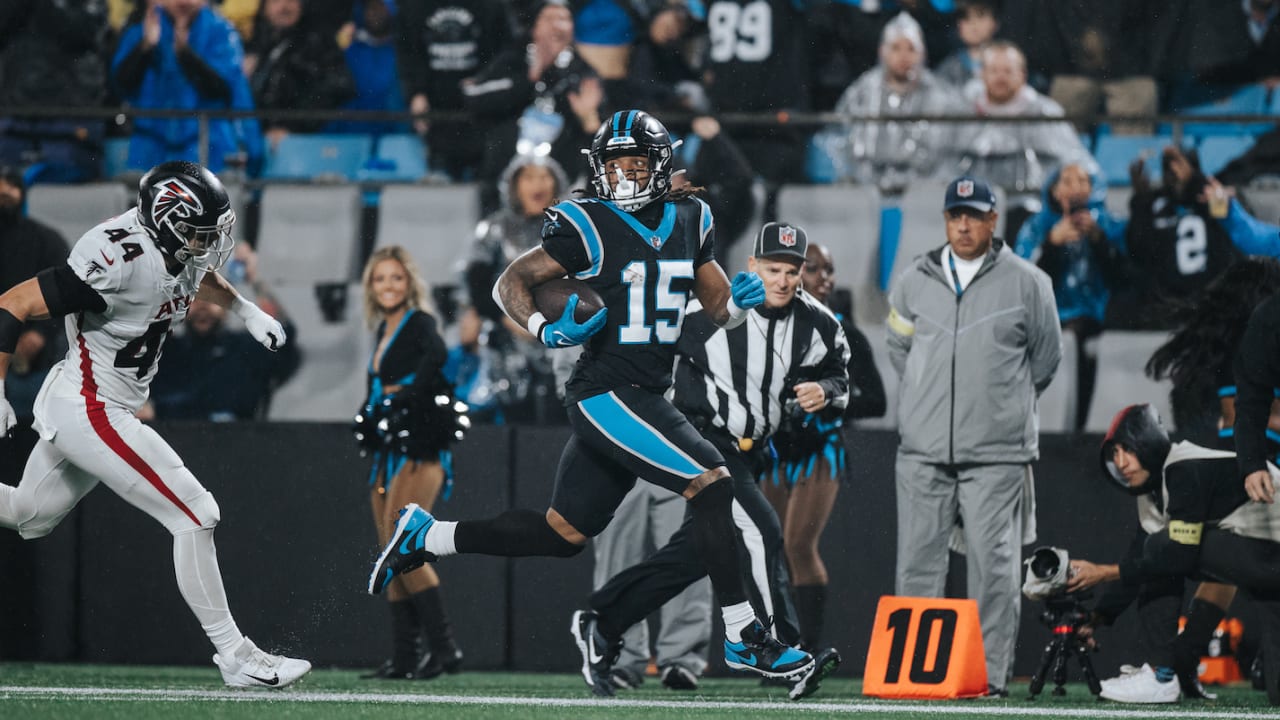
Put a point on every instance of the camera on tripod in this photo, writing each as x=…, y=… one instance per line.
x=1048, y=572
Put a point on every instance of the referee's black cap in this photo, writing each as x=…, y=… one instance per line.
x=781, y=240
x=970, y=192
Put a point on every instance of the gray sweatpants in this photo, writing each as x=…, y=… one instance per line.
x=988, y=500
x=645, y=521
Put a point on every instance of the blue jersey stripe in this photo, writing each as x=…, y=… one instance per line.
x=663, y=233
x=616, y=421
x=590, y=237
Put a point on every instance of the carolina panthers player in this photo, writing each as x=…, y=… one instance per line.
x=643, y=248
x=126, y=283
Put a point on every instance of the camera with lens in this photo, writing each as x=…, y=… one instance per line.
x=1048, y=572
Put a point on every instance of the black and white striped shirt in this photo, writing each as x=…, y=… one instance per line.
x=740, y=379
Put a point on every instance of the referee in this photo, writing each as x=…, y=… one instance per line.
x=789, y=359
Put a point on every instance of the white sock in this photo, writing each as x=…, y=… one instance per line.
x=195, y=560
x=439, y=539
x=736, y=618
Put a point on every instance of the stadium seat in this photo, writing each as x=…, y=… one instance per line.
x=435, y=223
x=1116, y=152
x=1057, y=405
x=73, y=209
x=1249, y=100
x=115, y=157
x=396, y=158
x=1218, y=150
x=318, y=157
x=877, y=335
x=1121, y=380
x=820, y=164
x=308, y=234
x=330, y=383
x=844, y=218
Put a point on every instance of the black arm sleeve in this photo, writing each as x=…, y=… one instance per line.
x=206, y=80
x=64, y=292
x=132, y=68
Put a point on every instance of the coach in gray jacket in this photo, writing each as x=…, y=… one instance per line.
x=974, y=335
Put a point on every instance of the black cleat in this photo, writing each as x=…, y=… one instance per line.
x=598, y=654
x=824, y=663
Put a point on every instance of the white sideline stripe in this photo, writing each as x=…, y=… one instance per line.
x=961, y=708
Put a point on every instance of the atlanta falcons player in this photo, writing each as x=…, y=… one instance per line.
x=126, y=283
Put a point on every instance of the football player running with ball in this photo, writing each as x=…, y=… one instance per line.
x=643, y=247
x=126, y=283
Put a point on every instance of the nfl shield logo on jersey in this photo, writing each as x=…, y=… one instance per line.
x=787, y=236
x=964, y=188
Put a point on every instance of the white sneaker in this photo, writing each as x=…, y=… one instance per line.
x=1141, y=686
x=251, y=667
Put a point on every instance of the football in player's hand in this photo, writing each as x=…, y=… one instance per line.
x=551, y=297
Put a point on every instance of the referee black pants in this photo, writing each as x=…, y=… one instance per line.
x=633, y=594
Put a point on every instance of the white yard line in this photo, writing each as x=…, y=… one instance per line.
x=92, y=694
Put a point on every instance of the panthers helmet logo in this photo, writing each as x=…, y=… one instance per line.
x=174, y=199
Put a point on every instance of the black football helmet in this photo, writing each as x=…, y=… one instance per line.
x=1137, y=429
x=188, y=214
x=632, y=132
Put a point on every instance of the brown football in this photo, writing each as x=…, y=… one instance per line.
x=550, y=297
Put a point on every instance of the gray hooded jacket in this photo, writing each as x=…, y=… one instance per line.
x=972, y=366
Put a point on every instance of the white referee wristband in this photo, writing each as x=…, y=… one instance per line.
x=535, y=324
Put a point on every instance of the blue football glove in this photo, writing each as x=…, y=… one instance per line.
x=565, y=332
x=747, y=290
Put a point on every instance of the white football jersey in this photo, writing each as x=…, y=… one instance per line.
x=113, y=355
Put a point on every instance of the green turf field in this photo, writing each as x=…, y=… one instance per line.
x=142, y=692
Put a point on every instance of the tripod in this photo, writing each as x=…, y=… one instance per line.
x=1064, y=616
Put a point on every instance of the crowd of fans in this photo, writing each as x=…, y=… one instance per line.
x=532, y=79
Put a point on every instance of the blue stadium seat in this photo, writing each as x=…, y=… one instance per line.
x=1218, y=150
x=396, y=158
x=1116, y=152
x=115, y=157
x=819, y=166
x=1249, y=100
x=318, y=157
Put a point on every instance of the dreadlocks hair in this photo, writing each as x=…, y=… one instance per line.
x=1210, y=327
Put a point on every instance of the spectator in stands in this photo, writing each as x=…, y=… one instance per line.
x=51, y=55
x=1247, y=231
x=472, y=367
x=435, y=55
x=1096, y=54
x=1175, y=239
x=844, y=37
x=976, y=25
x=292, y=66
x=405, y=375
x=1239, y=43
x=719, y=166
x=892, y=154
x=212, y=372
x=973, y=462
x=180, y=55
x=811, y=465
x=1016, y=157
x=530, y=184
x=604, y=32
x=1082, y=248
x=661, y=74
x=27, y=247
x=758, y=62
x=370, y=40
x=537, y=99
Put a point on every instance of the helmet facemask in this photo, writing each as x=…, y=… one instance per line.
x=644, y=137
x=203, y=247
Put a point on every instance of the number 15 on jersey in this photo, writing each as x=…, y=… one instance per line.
x=655, y=307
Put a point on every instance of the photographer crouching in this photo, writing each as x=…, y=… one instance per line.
x=1197, y=523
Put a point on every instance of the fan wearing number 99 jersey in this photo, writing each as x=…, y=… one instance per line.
x=127, y=282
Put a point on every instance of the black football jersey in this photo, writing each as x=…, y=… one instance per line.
x=1180, y=246
x=758, y=55
x=644, y=275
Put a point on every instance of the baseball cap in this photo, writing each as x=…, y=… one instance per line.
x=780, y=240
x=970, y=192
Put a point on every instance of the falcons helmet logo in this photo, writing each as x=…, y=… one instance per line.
x=174, y=199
